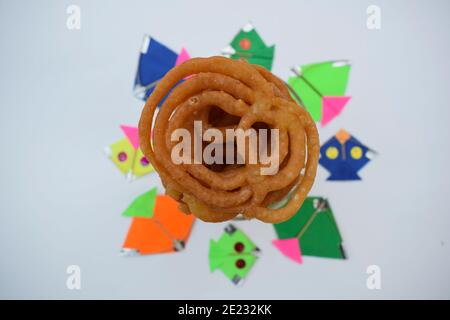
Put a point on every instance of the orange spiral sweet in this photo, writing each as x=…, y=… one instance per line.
x=222, y=94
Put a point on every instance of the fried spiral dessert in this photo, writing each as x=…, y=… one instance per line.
x=228, y=94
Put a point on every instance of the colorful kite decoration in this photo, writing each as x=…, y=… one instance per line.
x=343, y=156
x=155, y=60
x=158, y=226
x=321, y=87
x=234, y=254
x=127, y=156
x=312, y=231
x=248, y=45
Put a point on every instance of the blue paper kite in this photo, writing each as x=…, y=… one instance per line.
x=343, y=156
x=155, y=60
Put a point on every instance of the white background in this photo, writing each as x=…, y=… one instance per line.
x=64, y=94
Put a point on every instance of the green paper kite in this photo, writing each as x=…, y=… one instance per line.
x=234, y=254
x=143, y=206
x=316, y=230
x=248, y=45
x=316, y=83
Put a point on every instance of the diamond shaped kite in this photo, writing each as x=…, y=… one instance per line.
x=127, y=156
x=321, y=87
x=155, y=60
x=312, y=231
x=249, y=46
x=234, y=254
x=158, y=226
x=343, y=156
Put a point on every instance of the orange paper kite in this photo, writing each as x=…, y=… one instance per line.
x=166, y=231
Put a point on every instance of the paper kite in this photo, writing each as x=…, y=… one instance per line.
x=248, y=45
x=343, y=156
x=155, y=60
x=320, y=87
x=234, y=254
x=158, y=226
x=127, y=155
x=312, y=231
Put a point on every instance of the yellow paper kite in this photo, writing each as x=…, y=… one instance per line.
x=127, y=156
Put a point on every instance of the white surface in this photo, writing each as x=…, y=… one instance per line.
x=64, y=94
